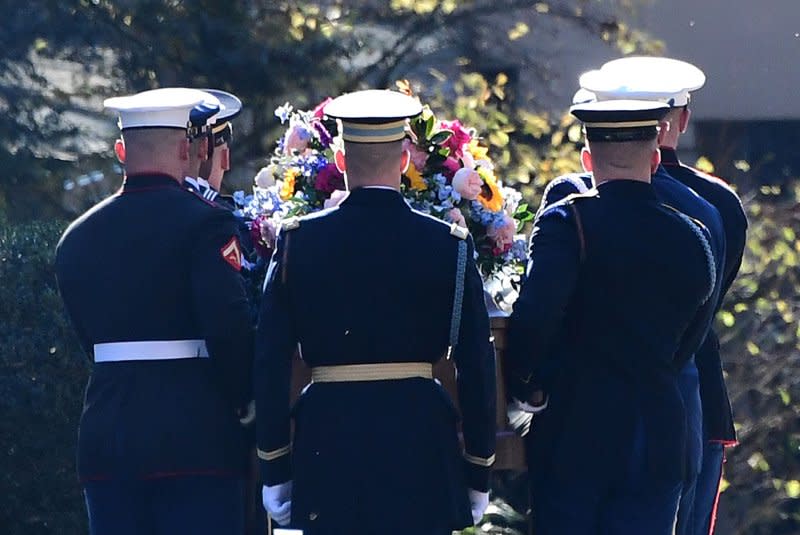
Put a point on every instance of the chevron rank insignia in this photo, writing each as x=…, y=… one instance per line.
x=232, y=254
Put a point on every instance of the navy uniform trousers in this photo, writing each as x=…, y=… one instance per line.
x=199, y=505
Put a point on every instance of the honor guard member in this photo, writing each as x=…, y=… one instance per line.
x=213, y=170
x=615, y=83
x=717, y=416
x=614, y=278
x=150, y=279
x=670, y=81
x=201, y=120
x=374, y=293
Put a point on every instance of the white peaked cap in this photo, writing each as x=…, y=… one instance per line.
x=157, y=108
x=645, y=78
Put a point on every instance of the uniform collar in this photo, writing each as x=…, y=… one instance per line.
x=374, y=195
x=627, y=188
x=669, y=156
x=149, y=181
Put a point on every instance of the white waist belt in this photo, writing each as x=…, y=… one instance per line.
x=154, y=350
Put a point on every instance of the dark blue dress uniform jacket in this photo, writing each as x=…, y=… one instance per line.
x=717, y=416
x=373, y=281
x=677, y=195
x=619, y=313
x=147, y=264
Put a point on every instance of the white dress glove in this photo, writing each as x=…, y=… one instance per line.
x=278, y=502
x=478, y=502
x=520, y=415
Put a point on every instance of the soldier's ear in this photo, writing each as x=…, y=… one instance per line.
x=586, y=160
x=655, y=160
x=119, y=150
x=405, y=160
x=341, y=164
x=686, y=114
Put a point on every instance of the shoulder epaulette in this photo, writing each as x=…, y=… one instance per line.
x=685, y=217
x=197, y=195
x=290, y=223
x=459, y=232
x=586, y=194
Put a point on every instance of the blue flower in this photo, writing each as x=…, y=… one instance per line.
x=519, y=250
x=283, y=112
x=239, y=198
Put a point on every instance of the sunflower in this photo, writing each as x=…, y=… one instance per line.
x=288, y=185
x=490, y=196
x=416, y=182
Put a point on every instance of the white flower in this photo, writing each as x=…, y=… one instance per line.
x=266, y=176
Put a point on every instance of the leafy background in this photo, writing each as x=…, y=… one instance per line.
x=58, y=59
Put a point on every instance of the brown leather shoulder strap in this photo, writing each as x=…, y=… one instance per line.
x=579, y=227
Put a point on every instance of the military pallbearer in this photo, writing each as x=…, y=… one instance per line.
x=150, y=279
x=599, y=332
x=374, y=293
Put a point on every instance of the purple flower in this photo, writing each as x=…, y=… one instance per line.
x=329, y=179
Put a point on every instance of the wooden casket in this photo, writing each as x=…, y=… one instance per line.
x=510, y=454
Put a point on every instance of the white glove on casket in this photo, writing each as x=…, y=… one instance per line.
x=478, y=502
x=277, y=501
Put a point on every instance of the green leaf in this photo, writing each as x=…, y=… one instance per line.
x=441, y=136
x=758, y=462
x=727, y=319
x=429, y=124
x=793, y=489
x=786, y=398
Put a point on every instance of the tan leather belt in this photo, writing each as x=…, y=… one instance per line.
x=392, y=371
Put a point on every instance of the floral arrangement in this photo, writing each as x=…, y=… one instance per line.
x=450, y=176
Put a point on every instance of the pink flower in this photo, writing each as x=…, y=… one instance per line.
x=336, y=198
x=467, y=182
x=418, y=157
x=329, y=179
x=450, y=165
x=455, y=216
x=319, y=111
x=503, y=234
x=461, y=136
x=297, y=139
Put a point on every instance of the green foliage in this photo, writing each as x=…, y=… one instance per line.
x=760, y=337
x=266, y=52
x=42, y=375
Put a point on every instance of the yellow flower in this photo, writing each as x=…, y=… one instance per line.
x=490, y=196
x=478, y=152
x=288, y=184
x=415, y=179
